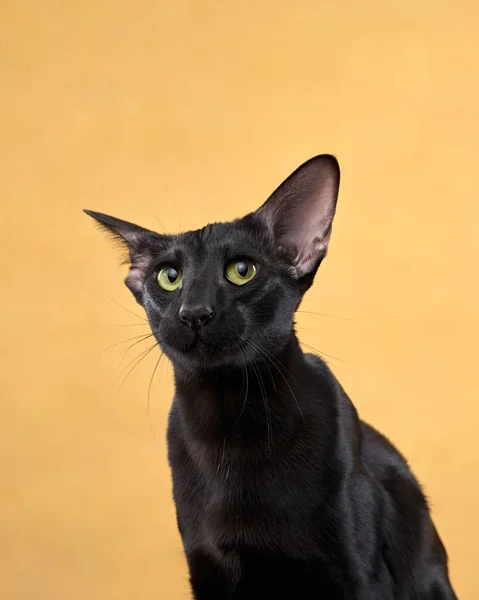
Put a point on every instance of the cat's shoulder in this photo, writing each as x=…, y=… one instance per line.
x=315, y=361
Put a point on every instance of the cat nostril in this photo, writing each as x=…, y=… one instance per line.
x=207, y=316
x=195, y=316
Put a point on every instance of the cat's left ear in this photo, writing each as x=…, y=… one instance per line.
x=300, y=212
x=136, y=240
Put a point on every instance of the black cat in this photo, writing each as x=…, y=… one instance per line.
x=281, y=491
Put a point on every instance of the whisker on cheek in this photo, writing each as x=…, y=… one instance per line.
x=149, y=393
x=128, y=325
x=137, y=360
x=115, y=302
x=123, y=354
x=143, y=337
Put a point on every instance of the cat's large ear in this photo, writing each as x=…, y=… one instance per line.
x=299, y=214
x=136, y=240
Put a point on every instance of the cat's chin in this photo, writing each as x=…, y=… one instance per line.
x=202, y=356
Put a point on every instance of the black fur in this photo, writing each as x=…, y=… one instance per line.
x=281, y=491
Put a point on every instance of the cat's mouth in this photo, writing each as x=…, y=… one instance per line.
x=201, y=350
x=199, y=345
x=193, y=343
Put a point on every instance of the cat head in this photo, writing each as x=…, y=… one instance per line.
x=228, y=292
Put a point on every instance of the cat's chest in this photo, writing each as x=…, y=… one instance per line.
x=229, y=523
x=244, y=497
x=229, y=504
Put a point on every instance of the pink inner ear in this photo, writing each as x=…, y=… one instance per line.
x=136, y=275
x=307, y=228
x=305, y=256
x=300, y=212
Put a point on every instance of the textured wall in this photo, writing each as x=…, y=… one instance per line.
x=186, y=112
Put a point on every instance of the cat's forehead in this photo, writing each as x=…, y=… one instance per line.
x=239, y=236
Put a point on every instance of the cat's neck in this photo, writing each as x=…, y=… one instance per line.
x=251, y=401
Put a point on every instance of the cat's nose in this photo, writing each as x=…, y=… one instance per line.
x=195, y=315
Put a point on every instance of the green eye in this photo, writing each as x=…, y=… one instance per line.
x=169, y=278
x=241, y=271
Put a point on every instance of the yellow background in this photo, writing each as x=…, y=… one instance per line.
x=187, y=112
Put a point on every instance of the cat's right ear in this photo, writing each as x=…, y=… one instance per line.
x=136, y=240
